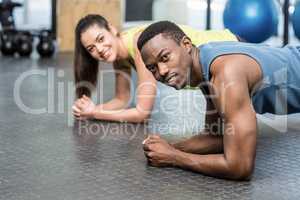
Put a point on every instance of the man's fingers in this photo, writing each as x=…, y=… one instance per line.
x=146, y=147
x=151, y=138
x=145, y=140
x=146, y=153
x=149, y=155
x=154, y=136
x=152, y=163
x=149, y=144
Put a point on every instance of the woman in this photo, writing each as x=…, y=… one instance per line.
x=97, y=40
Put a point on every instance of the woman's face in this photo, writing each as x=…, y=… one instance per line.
x=100, y=43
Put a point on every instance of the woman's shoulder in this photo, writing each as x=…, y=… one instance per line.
x=130, y=33
x=200, y=37
x=129, y=37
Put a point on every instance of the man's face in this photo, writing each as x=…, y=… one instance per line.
x=168, y=61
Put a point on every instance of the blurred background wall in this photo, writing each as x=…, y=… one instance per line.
x=37, y=14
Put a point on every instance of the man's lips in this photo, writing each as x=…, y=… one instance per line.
x=171, y=78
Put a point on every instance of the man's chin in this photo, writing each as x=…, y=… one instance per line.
x=177, y=86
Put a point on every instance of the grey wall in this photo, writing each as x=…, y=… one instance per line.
x=137, y=10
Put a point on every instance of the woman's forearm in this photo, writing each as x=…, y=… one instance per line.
x=132, y=115
x=117, y=109
x=114, y=104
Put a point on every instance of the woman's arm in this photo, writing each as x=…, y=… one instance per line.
x=84, y=107
x=122, y=91
x=115, y=110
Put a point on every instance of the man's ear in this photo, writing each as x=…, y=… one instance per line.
x=113, y=29
x=187, y=43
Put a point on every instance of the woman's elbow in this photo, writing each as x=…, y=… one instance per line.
x=142, y=117
x=143, y=113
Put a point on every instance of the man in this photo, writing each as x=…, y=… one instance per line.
x=238, y=80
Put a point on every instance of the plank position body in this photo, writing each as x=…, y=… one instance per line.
x=238, y=80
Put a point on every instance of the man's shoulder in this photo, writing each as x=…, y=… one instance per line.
x=227, y=67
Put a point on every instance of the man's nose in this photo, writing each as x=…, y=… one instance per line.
x=163, y=69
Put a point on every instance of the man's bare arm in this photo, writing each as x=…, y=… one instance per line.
x=237, y=161
x=239, y=138
x=209, y=141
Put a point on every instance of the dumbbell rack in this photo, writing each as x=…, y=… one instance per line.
x=21, y=42
x=10, y=35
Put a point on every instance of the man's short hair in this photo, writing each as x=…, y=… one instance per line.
x=167, y=28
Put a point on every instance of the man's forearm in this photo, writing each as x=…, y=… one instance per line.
x=203, y=143
x=214, y=165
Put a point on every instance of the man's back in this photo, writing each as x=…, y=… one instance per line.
x=279, y=91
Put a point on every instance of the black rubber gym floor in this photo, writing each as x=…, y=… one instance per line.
x=48, y=156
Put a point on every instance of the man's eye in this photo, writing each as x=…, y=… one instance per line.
x=151, y=68
x=165, y=58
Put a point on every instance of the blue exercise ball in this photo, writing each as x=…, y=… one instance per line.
x=253, y=20
x=296, y=20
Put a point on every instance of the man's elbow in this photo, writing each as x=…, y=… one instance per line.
x=242, y=171
x=243, y=175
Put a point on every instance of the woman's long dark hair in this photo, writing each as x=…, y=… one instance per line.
x=85, y=66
